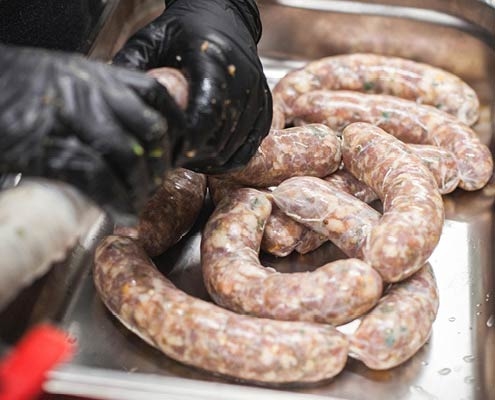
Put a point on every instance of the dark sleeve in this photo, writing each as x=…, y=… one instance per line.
x=69, y=25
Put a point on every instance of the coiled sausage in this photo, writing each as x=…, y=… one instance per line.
x=309, y=150
x=334, y=293
x=374, y=73
x=282, y=234
x=172, y=210
x=345, y=220
x=413, y=214
x=201, y=334
x=399, y=325
x=344, y=181
x=409, y=122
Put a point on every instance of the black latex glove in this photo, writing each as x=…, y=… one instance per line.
x=88, y=123
x=213, y=42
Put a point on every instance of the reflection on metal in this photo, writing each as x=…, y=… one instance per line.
x=354, y=7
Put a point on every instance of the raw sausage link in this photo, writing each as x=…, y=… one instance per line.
x=174, y=82
x=172, y=210
x=312, y=150
x=309, y=241
x=280, y=241
x=442, y=164
x=344, y=181
x=206, y=336
x=278, y=118
x=282, y=234
x=409, y=122
x=413, y=214
x=373, y=73
x=334, y=293
x=220, y=188
x=399, y=325
x=345, y=220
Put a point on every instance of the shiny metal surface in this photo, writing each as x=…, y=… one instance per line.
x=458, y=361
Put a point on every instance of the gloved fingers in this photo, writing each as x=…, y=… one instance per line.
x=153, y=94
x=69, y=160
x=213, y=111
x=245, y=151
x=139, y=121
x=22, y=134
x=215, y=134
x=210, y=160
x=252, y=127
x=145, y=48
x=132, y=161
x=137, y=117
x=259, y=131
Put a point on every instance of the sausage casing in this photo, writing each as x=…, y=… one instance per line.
x=442, y=163
x=334, y=293
x=282, y=234
x=413, y=213
x=345, y=220
x=344, y=181
x=409, y=122
x=372, y=73
x=312, y=150
x=201, y=334
x=400, y=324
x=172, y=210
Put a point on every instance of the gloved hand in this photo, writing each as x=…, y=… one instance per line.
x=96, y=126
x=213, y=42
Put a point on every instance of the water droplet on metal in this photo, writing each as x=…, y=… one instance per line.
x=424, y=363
x=469, y=358
x=478, y=313
x=445, y=371
x=469, y=379
x=478, y=304
x=452, y=319
x=490, y=321
x=419, y=390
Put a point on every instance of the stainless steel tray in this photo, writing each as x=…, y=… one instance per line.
x=458, y=362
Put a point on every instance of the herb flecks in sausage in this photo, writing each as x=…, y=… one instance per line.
x=470, y=163
x=400, y=324
x=411, y=225
x=203, y=335
x=284, y=153
x=374, y=73
x=236, y=280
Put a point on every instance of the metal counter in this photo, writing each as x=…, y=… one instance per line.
x=458, y=361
